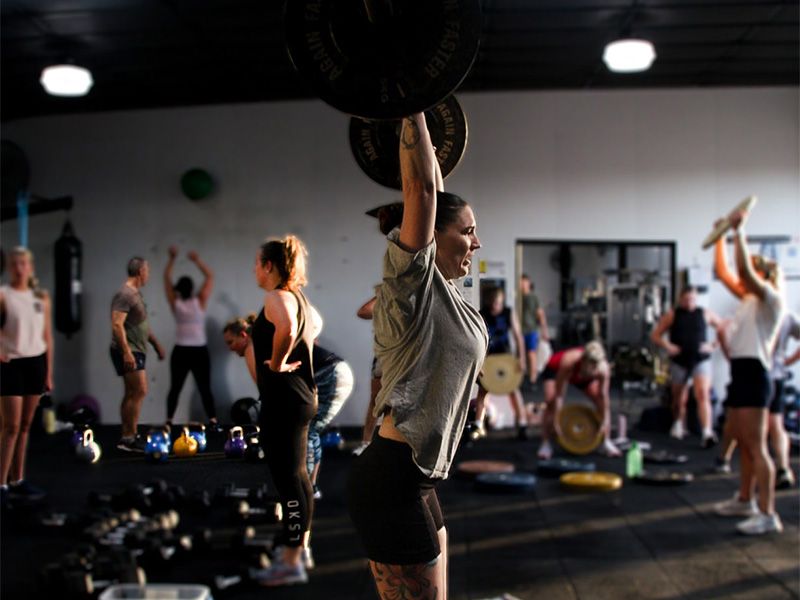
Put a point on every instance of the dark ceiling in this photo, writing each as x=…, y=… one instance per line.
x=187, y=52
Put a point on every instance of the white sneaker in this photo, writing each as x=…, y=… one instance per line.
x=759, y=524
x=545, y=451
x=306, y=558
x=677, y=431
x=360, y=448
x=610, y=450
x=736, y=508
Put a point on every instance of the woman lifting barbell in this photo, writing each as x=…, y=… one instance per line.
x=430, y=343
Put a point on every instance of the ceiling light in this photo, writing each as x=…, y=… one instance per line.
x=629, y=56
x=66, y=80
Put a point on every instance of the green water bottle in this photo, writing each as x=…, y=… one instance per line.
x=633, y=461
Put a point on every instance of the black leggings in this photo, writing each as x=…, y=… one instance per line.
x=284, y=437
x=196, y=360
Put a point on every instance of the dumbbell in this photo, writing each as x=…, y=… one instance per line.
x=77, y=576
x=269, y=512
x=229, y=493
x=230, y=540
x=245, y=575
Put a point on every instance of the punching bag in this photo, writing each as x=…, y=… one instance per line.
x=68, y=254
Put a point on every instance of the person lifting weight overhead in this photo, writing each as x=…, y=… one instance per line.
x=430, y=343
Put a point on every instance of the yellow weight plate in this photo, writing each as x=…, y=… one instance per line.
x=501, y=374
x=580, y=428
x=591, y=482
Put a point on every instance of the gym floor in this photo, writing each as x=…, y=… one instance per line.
x=638, y=542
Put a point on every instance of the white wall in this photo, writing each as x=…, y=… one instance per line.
x=657, y=165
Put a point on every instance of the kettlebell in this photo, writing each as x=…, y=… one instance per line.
x=332, y=439
x=185, y=445
x=157, y=447
x=254, y=452
x=88, y=450
x=198, y=432
x=77, y=435
x=235, y=444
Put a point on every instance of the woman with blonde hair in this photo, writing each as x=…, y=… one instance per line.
x=283, y=336
x=587, y=368
x=749, y=343
x=26, y=369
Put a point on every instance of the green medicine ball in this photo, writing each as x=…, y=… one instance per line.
x=197, y=184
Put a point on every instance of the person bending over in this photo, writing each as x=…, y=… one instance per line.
x=587, y=369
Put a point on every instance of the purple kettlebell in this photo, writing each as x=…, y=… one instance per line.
x=235, y=444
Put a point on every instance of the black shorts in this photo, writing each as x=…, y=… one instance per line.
x=119, y=365
x=23, y=376
x=393, y=505
x=776, y=404
x=550, y=374
x=750, y=385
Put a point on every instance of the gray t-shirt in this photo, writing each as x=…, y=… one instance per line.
x=789, y=328
x=137, y=330
x=431, y=344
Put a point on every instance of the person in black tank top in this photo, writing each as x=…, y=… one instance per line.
x=501, y=323
x=283, y=335
x=689, y=350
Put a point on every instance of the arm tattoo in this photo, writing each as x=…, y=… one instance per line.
x=405, y=582
x=410, y=135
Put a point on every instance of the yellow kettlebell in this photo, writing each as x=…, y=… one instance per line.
x=185, y=445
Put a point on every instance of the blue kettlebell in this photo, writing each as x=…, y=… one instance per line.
x=157, y=448
x=332, y=439
x=198, y=432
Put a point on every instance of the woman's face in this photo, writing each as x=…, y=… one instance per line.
x=262, y=272
x=20, y=269
x=455, y=245
x=236, y=342
x=591, y=370
x=688, y=300
x=498, y=300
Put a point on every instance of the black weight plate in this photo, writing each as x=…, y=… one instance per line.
x=664, y=477
x=664, y=457
x=376, y=144
x=556, y=467
x=403, y=64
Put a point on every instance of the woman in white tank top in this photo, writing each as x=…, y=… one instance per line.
x=26, y=359
x=190, y=353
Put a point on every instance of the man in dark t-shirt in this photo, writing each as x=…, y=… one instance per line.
x=130, y=333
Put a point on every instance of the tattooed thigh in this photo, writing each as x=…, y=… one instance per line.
x=407, y=582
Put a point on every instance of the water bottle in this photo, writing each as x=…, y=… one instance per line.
x=633, y=461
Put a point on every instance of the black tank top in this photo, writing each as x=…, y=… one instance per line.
x=298, y=384
x=498, y=327
x=688, y=331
